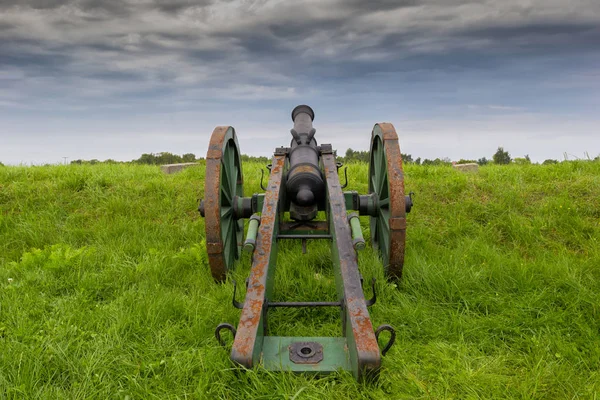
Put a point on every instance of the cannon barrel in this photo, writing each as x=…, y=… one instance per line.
x=304, y=184
x=303, y=116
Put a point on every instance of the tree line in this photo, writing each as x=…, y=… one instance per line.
x=148, y=158
x=501, y=157
x=165, y=157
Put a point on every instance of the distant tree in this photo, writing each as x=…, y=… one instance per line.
x=483, y=161
x=437, y=161
x=94, y=161
x=146, y=158
x=549, y=161
x=521, y=161
x=407, y=158
x=352, y=155
x=167, y=158
x=110, y=161
x=188, y=157
x=1, y=165
x=260, y=159
x=501, y=156
x=418, y=161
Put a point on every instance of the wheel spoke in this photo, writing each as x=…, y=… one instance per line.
x=374, y=227
x=374, y=183
x=226, y=212
x=226, y=225
x=383, y=240
x=238, y=175
x=377, y=168
x=384, y=215
x=240, y=237
x=382, y=165
x=231, y=169
x=383, y=186
x=228, y=172
x=229, y=242
x=225, y=198
x=229, y=256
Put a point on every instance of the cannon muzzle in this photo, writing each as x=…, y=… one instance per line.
x=303, y=116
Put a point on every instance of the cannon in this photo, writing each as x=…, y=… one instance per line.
x=303, y=181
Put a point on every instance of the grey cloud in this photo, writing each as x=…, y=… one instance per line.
x=35, y=4
x=182, y=43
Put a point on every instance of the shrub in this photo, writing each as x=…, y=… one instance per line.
x=501, y=156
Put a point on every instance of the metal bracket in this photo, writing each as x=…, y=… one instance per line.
x=339, y=165
x=281, y=151
x=326, y=149
x=408, y=201
x=373, y=299
x=390, y=342
x=236, y=303
x=262, y=175
x=222, y=326
x=310, y=136
x=296, y=136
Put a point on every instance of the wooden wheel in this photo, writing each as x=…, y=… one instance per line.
x=386, y=186
x=223, y=182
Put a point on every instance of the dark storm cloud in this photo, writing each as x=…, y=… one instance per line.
x=4, y=26
x=34, y=4
x=191, y=44
x=381, y=5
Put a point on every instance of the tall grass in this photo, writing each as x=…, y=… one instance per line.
x=105, y=290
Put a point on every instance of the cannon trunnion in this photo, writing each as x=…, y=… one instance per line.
x=304, y=180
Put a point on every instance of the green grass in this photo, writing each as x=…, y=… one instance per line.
x=105, y=291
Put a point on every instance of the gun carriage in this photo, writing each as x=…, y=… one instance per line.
x=304, y=180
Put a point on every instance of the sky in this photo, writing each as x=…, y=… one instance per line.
x=99, y=79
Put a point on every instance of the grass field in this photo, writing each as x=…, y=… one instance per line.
x=105, y=291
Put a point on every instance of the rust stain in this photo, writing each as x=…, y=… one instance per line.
x=367, y=349
x=245, y=341
x=301, y=169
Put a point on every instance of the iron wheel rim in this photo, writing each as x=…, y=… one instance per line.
x=386, y=183
x=223, y=182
